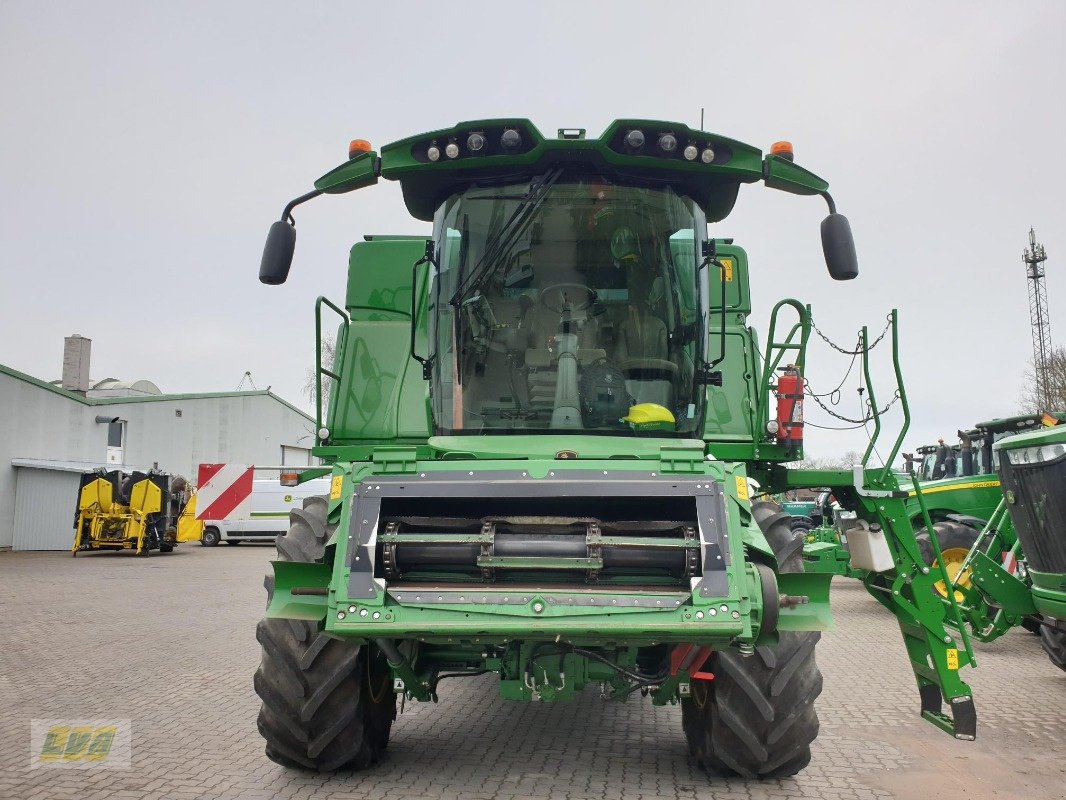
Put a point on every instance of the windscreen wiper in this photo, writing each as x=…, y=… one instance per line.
x=509, y=232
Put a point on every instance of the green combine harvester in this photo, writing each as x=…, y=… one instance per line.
x=542, y=421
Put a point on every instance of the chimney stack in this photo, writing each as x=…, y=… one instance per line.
x=76, y=363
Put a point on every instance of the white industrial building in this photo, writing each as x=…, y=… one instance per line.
x=50, y=434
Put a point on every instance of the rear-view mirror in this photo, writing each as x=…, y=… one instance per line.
x=277, y=254
x=838, y=246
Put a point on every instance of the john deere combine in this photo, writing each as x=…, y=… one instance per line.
x=542, y=421
x=140, y=511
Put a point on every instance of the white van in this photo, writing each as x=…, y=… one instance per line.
x=269, y=512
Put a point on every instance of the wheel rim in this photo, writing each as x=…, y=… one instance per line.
x=953, y=558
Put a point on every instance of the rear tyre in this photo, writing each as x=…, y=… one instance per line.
x=801, y=525
x=1053, y=640
x=955, y=541
x=756, y=718
x=327, y=704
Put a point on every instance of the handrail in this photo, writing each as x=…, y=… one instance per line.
x=319, y=369
x=770, y=363
x=864, y=343
x=893, y=318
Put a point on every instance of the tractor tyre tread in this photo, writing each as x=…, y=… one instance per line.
x=757, y=718
x=949, y=534
x=319, y=711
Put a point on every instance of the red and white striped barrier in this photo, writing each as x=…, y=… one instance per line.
x=225, y=491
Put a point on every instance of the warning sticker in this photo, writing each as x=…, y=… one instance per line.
x=727, y=265
x=953, y=658
x=742, y=487
x=335, y=487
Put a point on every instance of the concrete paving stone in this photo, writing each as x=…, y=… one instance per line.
x=180, y=668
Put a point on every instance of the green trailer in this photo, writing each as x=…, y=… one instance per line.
x=544, y=424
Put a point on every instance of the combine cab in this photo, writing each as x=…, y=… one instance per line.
x=544, y=422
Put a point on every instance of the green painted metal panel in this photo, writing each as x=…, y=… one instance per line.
x=729, y=414
x=375, y=366
x=737, y=289
x=379, y=277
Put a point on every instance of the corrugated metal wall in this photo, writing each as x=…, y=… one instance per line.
x=44, y=508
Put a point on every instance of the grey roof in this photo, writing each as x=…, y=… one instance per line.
x=108, y=401
x=72, y=466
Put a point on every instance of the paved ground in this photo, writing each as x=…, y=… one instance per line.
x=169, y=643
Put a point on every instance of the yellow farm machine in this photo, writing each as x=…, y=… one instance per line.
x=140, y=511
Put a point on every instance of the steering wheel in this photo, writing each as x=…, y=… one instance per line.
x=558, y=295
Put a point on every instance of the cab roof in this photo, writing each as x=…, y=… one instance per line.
x=432, y=166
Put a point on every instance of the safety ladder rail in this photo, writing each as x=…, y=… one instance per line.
x=338, y=348
x=775, y=352
x=875, y=412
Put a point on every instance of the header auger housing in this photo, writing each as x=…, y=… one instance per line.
x=544, y=423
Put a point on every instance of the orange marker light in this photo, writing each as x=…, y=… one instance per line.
x=358, y=146
x=782, y=149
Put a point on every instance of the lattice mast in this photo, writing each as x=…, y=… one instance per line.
x=1034, y=257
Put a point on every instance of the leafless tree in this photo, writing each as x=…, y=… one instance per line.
x=1052, y=396
x=329, y=353
x=842, y=461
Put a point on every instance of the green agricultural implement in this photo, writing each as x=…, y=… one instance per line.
x=1032, y=467
x=960, y=489
x=1014, y=572
x=543, y=423
x=972, y=521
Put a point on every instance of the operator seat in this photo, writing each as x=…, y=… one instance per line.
x=642, y=352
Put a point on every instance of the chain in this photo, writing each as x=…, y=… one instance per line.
x=868, y=416
x=858, y=342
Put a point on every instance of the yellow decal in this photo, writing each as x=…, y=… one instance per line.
x=727, y=264
x=742, y=487
x=953, y=659
x=335, y=487
x=953, y=487
x=77, y=743
x=288, y=498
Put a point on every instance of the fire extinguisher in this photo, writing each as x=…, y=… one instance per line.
x=790, y=407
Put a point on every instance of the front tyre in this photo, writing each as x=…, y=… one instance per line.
x=327, y=704
x=210, y=537
x=756, y=718
x=1053, y=640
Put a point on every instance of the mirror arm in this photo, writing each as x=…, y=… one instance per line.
x=286, y=215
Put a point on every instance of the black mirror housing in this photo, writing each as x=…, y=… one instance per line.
x=838, y=246
x=277, y=254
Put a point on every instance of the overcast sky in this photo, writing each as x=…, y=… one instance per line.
x=145, y=148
